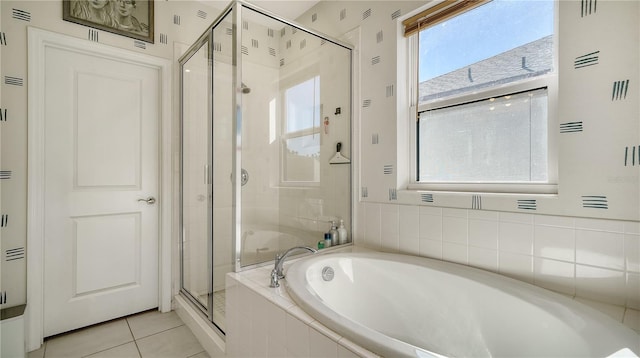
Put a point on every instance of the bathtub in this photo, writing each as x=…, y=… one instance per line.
x=399, y=305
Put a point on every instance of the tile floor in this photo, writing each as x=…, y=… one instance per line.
x=147, y=334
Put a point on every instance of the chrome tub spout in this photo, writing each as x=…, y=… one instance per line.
x=276, y=273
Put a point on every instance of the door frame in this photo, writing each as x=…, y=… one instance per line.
x=38, y=41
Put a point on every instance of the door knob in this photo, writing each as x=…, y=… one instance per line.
x=150, y=200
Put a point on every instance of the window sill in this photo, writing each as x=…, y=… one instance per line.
x=486, y=188
x=490, y=200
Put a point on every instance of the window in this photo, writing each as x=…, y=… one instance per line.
x=301, y=133
x=497, y=140
x=485, y=96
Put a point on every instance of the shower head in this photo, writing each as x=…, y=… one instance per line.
x=245, y=89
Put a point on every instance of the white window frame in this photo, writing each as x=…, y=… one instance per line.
x=284, y=135
x=550, y=81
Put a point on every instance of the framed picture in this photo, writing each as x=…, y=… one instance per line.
x=131, y=18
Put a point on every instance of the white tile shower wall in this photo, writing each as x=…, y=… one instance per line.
x=590, y=258
x=311, y=207
x=277, y=57
x=260, y=73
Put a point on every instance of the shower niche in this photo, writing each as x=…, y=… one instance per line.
x=265, y=105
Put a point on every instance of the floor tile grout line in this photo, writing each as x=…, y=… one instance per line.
x=133, y=338
x=106, y=349
x=135, y=341
x=85, y=329
x=153, y=334
x=137, y=348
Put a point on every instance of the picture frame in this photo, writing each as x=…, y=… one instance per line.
x=130, y=18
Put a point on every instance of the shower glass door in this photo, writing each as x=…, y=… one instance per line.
x=207, y=109
x=264, y=104
x=196, y=182
x=222, y=154
x=295, y=93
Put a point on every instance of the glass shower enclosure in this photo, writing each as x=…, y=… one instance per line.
x=265, y=147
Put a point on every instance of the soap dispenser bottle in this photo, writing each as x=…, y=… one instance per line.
x=342, y=233
x=327, y=240
x=334, y=233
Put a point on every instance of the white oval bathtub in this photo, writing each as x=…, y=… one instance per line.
x=399, y=305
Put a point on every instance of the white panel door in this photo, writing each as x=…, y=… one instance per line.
x=101, y=162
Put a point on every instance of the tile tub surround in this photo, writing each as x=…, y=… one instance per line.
x=595, y=259
x=266, y=322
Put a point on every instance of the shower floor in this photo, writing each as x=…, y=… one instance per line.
x=219, y=301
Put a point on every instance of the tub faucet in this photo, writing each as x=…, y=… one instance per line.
x=276, y=273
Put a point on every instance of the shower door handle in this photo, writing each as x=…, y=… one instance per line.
x=150, y=200
x=244, y=177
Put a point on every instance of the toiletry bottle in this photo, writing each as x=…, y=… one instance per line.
x=327, y=240
x=342, y=233
x=334, y=233
x=320, y=244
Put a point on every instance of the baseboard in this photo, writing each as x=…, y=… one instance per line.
x=12, y=332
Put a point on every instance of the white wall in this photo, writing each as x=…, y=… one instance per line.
x=563, y=245
x=48, y=15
